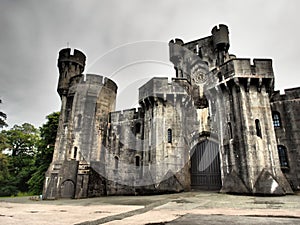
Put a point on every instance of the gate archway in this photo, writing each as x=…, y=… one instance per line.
x=68, y=189
x=205, y=166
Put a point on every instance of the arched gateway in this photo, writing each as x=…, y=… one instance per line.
x=205, y=166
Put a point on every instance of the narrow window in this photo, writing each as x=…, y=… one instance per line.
x=208, y=121
x=276, y=119
x=137, y=161
x=75, y=153
x=169, y=135
x=230, y=130
x=82, y=181
x=149, y=155
x=137, y=128
x=220, y=76
x=283, y=156
x=258, y=128
x=68, y=108
x=116, y=162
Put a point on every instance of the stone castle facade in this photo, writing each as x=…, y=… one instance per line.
x=218, y=125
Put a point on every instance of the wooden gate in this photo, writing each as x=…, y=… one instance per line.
x=205, y=166
x=68, y=189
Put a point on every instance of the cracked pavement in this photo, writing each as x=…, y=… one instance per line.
x=183, y=208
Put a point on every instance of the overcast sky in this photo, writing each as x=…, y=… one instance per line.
x=127, y=41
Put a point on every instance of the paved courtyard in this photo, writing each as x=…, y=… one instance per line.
x=184, y=208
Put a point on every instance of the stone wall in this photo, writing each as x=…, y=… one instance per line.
x=124, y=156
x=240, y=92
x=287, y=106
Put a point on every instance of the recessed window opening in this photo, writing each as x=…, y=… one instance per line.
x=258, y=128
x=75, y=153
x=149, y=155
x=282, y=153
x=116, y=162
x=169, y=135
x=137, y=128
x=230, y=130
x=137, y=161
x=276, y=119
x=82, y=180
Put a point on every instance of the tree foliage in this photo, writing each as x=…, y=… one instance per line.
x=2, y=118
x=25, y=155
x=5, y=187
x=4, y=173
x=22, y=140
x=44, y=152
x=21, y=143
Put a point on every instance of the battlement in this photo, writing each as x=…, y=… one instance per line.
x=220, y=37
x=94, y=79
x=110, y=84
x=289, y=94
x=127, y=114
x=77, y=57
x=207, y=49
x=176, y=50
x=243, y=67
x=160, y=87
x=220, y=28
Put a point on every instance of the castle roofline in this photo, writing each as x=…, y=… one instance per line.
x=289, y=94
x=241, y=66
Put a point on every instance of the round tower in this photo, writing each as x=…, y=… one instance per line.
x=175, y=50
x=176, y=54
x=220, y=37
x=69, y=65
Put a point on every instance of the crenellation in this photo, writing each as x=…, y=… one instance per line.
x=220, y=37
x=69, y=66
x=110, y=85
x=158, y=88
x=289, y=94
x=93, y=79
x=77, y=57
x=261, y=68
x=127, y=114
x=176, y=50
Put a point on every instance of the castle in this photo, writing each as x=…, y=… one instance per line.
x=218, y=125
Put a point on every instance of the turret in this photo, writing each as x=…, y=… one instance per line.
x=220, y=37
x=176, y=50
x=69, y=65
x=176, y=53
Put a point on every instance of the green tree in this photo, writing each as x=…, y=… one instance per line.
x=6, y=189
x=2, y=118
x=22, y=140
x=44, y=154
x=4, y=173
x=21, y=143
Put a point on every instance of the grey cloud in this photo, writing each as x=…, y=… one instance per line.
x=32, y=33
